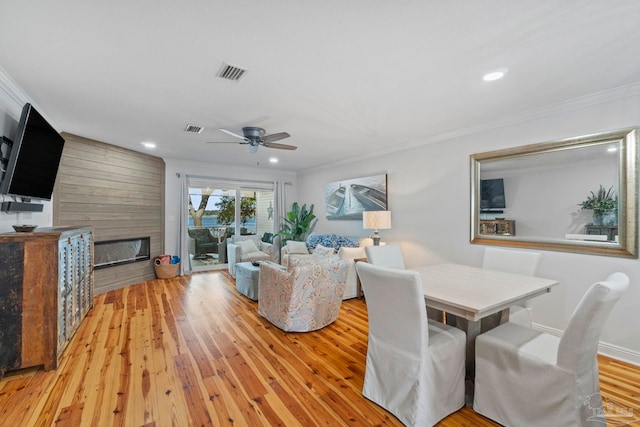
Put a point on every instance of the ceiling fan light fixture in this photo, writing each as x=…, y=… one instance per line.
x=256, y=137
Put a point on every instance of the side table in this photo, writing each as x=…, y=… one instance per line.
x=610, y=231
x=359, y=293
x=248, y=279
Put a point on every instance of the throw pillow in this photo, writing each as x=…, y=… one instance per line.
x=326, y=240
x=247, y=246
x=294, y=247
x=351, y=253
x=267, y=237
x=323, y=251
x=347, y=241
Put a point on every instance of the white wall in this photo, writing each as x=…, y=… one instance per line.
x=183, y=167
x=545, y=201
x=429, y=197
x=12, y=99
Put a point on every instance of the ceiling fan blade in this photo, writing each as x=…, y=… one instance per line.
x=275, y=137
x=228, y=132
x=280, y=146
x=226, y=142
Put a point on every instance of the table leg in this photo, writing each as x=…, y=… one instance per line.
x=472, y=328
x=504, y=316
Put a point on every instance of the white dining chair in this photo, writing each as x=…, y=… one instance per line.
x=385, y=256
x=391, y=256
x=517, y=262
x=526, y=377
x=414, y=366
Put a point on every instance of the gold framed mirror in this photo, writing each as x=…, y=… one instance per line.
x=576, y=195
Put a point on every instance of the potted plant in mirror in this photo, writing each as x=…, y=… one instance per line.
x=298, y=223
x=602, y=203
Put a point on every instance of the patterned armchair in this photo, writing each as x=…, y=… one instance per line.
x=304, y=297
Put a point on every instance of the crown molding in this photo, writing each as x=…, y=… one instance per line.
x=595, y=98
x=13, y=96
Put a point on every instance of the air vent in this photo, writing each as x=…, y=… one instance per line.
x=193, y=129
x=231, y=72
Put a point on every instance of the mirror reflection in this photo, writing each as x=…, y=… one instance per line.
x=565, y=195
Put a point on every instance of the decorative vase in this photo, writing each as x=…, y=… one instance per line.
x=610, y=219
x=597, y=218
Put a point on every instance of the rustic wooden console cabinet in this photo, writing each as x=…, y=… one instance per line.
x=46, y=289
x=498, y=226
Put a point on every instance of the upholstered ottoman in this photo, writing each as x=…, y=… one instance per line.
x=247, y=279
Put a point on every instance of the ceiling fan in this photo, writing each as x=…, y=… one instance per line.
x=255, y=137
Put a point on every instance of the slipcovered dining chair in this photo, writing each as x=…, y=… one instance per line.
x=391, y=256
x=526, y=377
x=517, y=262
x=414, y=366
x=385, y=256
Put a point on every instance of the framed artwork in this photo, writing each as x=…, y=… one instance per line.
x=347, y=199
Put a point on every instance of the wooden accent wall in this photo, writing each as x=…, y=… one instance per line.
x=120, y=193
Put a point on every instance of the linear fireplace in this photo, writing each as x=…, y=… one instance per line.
x=110, y=253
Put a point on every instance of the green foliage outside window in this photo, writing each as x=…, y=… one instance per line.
x=227, y=209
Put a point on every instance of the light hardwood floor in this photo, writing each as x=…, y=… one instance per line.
x=191, y=351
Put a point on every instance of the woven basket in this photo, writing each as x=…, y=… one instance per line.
x=167, y=271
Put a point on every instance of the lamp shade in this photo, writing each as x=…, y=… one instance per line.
x=376, y=220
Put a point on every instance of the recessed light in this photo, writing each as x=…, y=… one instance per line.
x=494, y=75
x=273, y=160
x=148, y=144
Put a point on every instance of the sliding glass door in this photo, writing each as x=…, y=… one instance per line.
x=263, y=212
x=214, y=217
x=207, y=232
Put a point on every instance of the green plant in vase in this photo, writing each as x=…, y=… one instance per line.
x=601, y=203
x=298, y=223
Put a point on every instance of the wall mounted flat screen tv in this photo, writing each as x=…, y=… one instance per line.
x=492, y=194
x=34, y=158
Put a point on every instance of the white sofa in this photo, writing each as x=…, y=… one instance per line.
x=351, y=254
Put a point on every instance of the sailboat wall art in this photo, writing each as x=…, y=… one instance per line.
x=348, y=198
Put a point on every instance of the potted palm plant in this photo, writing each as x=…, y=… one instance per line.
x=601, y=203
x=298, y=223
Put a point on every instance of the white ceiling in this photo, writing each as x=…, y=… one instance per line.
x=344, y=78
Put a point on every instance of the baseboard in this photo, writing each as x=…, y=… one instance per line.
x=605, y=349
x=110, y=285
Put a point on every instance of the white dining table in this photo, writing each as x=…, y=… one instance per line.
x=473, y=293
